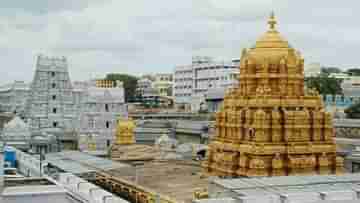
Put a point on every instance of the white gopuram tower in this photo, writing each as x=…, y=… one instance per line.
x=51, y=105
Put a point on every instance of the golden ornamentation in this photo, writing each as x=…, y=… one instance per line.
x=269, y=125
x=125, y=132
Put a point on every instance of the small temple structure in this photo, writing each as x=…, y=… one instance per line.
x=125, y=132
x=269, y=125
x=124, y=136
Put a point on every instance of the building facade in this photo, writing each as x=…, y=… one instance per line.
x=192, y=82
x=143, y=85
x=351, y=88
x=53, y=105
x=12, y=97
x=100, y=109
x=164, y=84
x=183, y=84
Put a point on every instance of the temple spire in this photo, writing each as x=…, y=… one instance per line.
x=272, y=21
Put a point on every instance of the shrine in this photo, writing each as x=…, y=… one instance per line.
x=270, y=125
x=124, y=136
x=125, y=132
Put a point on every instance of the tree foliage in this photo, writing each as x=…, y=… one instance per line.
x=354, y=71
x=129, y=82
x=328, y=70
x=324, y=84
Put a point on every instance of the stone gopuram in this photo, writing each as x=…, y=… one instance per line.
x=269, y=124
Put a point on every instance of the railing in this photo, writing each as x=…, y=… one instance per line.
x=134, y=193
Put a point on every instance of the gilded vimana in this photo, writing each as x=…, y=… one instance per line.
x=270, y=125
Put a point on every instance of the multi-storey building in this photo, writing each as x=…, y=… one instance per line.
x=143, y=84
x=12, y=97
x=192, y=82
x=183, y=84
x=51, y=104
x=100, y=108
x=163, y=84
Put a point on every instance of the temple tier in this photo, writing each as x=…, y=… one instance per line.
x=269, y=125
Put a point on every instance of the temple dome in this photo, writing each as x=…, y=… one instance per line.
x=16, y=123
x=16, y=129
x=272, y=38
x=271, y=48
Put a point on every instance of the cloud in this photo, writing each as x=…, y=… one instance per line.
x=142, y=36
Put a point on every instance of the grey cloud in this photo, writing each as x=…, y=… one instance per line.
x=41, y=7
x=142, y=36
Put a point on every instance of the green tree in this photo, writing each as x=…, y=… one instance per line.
x=328, y=70
x=129, y=82
x=324, y=84
x=354, y=71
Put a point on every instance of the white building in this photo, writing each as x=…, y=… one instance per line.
x=100, y=109
x=192, y=82
x=351, y=88
x=143, y=84
x=53, y=105
x=12, y=97
x=183, y=84
x=160, y=84
x=163, y=84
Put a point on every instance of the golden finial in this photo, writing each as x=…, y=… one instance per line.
x=272, y=21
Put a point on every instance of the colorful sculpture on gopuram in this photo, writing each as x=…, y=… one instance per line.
x=269, y=125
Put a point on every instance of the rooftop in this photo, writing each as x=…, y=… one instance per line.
x=174, y=179
x=292, y=188
x=33, y=190
x=79, y=162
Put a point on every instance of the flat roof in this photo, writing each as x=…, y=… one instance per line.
x=27, y=181
x=313, y=187
x=80, y=162
x=32, y=190
x=285, y=181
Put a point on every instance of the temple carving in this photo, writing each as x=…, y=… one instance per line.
x=269, y=125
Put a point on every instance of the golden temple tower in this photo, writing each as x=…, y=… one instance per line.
x=269, y=125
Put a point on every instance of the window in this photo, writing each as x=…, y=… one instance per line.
x=53, y=85
x=91, y=123
x=54, y=97
x=54, y=110
x=55, y=124
x=108, y=143
x=106, y=107
x=107, y=124
x=52, y=74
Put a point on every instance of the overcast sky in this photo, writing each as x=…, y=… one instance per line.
x=143, y=36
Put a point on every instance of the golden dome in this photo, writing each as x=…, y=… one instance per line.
x=272, y=38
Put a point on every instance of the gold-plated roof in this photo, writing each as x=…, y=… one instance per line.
x=272, y=38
